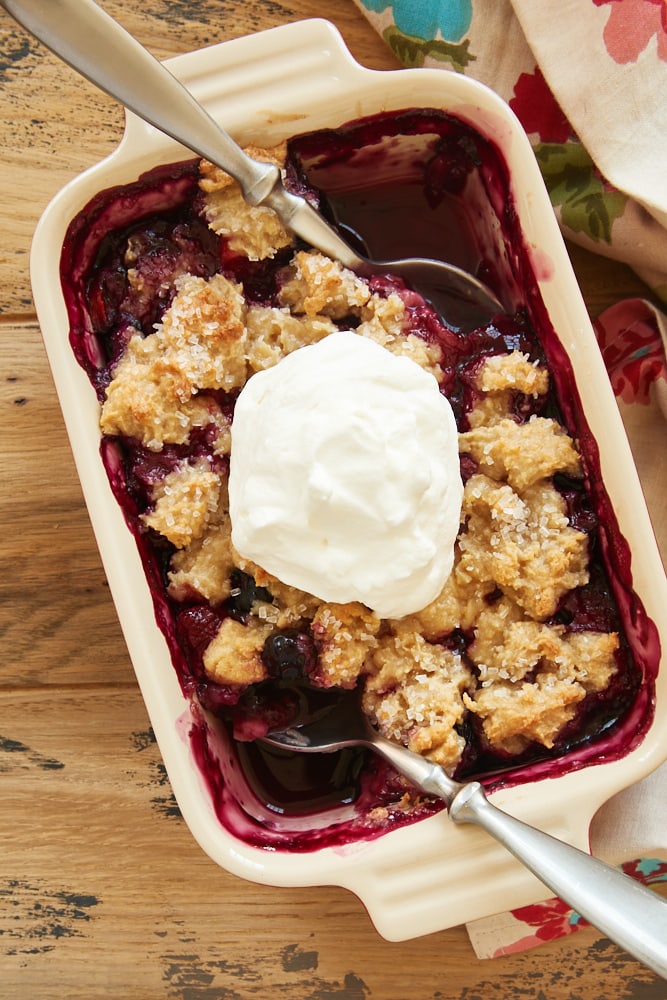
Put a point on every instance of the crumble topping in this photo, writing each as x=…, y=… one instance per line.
x=458, y=606
x=200, y=344
x=517, y=556
x=323, y=287
x=521, y=454
x=521, y=543
x=344, y=634
x=235, y=654
x=499, y=379
x=274, y=332
x=204, y=567
x=414, y=693
x=255, y=233
x=184, y=502
x=564, y=668
x=512, y=372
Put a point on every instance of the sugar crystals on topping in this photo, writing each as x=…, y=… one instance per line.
x=519, y=675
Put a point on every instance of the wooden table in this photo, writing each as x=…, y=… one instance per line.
x=103, y=891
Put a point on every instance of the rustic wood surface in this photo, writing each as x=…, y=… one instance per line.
x=103, y=891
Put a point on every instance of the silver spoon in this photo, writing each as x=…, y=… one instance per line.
x=629, y=914
x=90, y=41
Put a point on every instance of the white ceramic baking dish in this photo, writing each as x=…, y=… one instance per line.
x=432, y=874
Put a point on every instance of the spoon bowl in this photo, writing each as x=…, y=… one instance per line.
x=94, y=44
x=628, y=913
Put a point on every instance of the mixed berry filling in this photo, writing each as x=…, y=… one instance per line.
x=400, y=184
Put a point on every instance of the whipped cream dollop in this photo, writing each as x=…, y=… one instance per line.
x=344, y=477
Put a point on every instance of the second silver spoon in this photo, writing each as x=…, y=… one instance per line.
x=628, y=913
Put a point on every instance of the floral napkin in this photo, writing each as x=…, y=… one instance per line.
x=587, y=79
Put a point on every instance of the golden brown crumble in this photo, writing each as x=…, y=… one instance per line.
x=500, y=378
x=458, y=606
x=184, y=502
x=256, y=232
x=344, y=635
x=200, y=344
x=568, y=667
x=514, y=714
x=522, y=544
x=204, y=567
x=272, y=333
x=414, y=693
x=513, y=372
x=150, y=400
x=516, y=556
x=521, y=454
x=323, y=287
x=235, y=654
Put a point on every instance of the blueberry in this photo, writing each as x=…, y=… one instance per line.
x=245, y=593
x=289, y=655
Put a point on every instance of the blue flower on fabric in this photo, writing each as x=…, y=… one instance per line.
x=423, y=18
x=653, y=870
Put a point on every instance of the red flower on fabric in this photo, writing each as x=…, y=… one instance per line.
x=632, y=349
x=537, y=109
x=631, y=26
x=552, y=919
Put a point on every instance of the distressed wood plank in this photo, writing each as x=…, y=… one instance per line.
x=104, y=892
x=57, y=620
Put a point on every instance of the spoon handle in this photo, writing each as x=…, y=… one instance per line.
x=631, y=915
x=94, y=44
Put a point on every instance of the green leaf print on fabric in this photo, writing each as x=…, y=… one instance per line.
x=575, y=186
x=413, y=52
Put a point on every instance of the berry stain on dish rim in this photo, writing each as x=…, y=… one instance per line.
x=439, y=189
